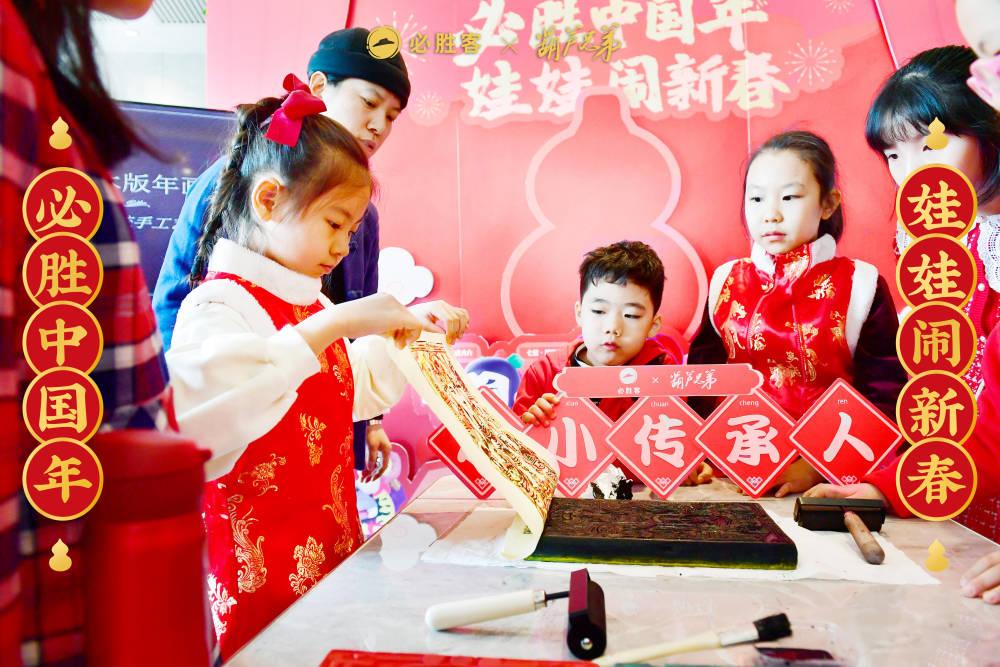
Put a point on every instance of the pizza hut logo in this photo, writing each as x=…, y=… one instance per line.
x=628, y=376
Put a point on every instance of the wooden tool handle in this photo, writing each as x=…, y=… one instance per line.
x=866, y=541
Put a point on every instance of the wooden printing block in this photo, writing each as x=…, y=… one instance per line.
x=650, y=532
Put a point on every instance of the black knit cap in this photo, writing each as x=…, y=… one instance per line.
x=344, y=55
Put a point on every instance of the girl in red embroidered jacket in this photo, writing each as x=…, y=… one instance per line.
x=262, y=371
x=794, y=310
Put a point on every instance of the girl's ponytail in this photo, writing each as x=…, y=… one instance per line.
x=229, y=202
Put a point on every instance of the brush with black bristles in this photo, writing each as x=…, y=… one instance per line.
x=767, y=629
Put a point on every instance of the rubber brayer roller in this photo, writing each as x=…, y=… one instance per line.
x=586, y=634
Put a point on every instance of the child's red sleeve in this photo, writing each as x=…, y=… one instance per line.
x=537, y=380
x=884, y=479
x=983, y=446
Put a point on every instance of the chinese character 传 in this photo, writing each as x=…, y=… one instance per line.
x=665, y=438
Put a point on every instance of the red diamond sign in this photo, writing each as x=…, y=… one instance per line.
x=447, y=448
x=747, y=437
x=578, y=439
x=844, y=436
x=655, y=439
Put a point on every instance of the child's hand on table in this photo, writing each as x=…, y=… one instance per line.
x=702, y=474
x=542, y=412
x=851, y=491
x=983, y=579
x=797, y=478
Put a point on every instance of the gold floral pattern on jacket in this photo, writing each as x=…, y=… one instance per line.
x=338, y=504
x=308, y=559
x=221, y=602
x=725, y=295
x=250, y=553
x=783, y=374
x=731, y=338
x=737, y=311
x=756, y=335
x=312, y=429
x=233, y=503
x=263, y=474
x=341, y=368
x=797, y=266
x=823, y=288
x=809, y=364
x=838, y=329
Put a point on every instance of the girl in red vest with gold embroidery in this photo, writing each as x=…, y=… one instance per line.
x=261, y=368
x=794, y=310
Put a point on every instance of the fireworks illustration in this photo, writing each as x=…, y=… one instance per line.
x=429, y=108
x=839, y=6
x=407, y=29
x=814, y=65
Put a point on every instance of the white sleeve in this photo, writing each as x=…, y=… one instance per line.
x=863, y=287
x=378, y=383
x=233, y=382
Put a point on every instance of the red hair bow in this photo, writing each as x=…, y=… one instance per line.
x=286, y=123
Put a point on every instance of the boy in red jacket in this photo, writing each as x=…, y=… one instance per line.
x=621, y=287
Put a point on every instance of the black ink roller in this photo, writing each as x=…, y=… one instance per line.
x=586, y=635
x=857, y=517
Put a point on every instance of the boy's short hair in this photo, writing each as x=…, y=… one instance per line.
x=622, y=262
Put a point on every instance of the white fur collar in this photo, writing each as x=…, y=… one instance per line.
x=821, y=250
x=287, y=285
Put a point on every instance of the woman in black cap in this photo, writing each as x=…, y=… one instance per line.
x=365, y=94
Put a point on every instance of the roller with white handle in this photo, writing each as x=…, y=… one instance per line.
x=586, y=632
x=476, y=610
